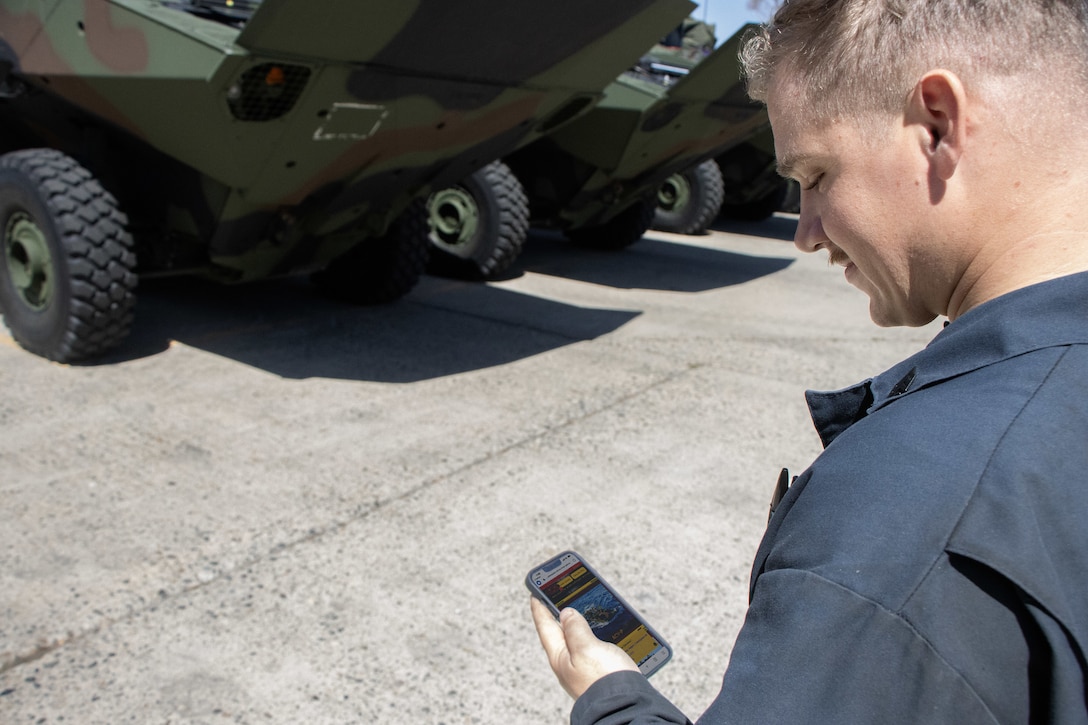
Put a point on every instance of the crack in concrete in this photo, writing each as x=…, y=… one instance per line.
x=44, y=649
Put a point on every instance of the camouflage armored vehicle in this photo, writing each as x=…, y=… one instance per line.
x=597, y=178
x=599, y=172
x=688, y=200
x=740, y=183
x=240, y=140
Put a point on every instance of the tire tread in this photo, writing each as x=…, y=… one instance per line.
x=98, y=254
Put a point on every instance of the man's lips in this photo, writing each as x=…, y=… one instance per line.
x=838, y=258
x=849, y=272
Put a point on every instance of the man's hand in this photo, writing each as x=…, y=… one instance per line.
x=577, y=657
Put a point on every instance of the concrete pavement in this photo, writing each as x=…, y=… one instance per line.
x=270, y=508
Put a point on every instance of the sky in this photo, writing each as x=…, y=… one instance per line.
x=727, y=15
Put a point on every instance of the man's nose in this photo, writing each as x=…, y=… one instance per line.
x=810, y=235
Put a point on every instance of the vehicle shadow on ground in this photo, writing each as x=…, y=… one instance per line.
x=444, y=327
x=286, y=327
x=655, y=262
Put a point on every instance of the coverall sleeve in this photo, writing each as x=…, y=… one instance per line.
x=810, y=651
x=625, y=698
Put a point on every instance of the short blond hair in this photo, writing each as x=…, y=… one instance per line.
x=852, y=57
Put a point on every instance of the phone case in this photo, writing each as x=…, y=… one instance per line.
x=609, y=614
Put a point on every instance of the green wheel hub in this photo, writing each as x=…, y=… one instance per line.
x=675, y=193
x=453, y=217
x=29, y=261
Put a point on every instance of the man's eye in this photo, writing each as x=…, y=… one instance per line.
x=814, y=184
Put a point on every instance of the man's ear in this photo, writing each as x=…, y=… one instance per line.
x=939, y=106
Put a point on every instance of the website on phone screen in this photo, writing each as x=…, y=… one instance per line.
x=572, y=585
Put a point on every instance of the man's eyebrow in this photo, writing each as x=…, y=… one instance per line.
x=788, y=165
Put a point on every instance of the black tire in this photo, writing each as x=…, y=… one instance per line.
x=67, y=267
x=689, y=200
x=381, y=270
x=478, y=227
x=760, y=208
x=620, y=232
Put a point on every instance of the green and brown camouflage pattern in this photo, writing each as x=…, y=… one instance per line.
x=642, y=132
x=245, y=152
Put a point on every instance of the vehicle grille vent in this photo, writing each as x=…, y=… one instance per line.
x=267, y=91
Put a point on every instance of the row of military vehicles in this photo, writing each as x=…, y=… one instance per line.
x=361, y=142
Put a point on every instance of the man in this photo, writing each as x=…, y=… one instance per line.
x=931, y=565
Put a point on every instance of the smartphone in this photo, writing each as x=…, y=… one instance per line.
x=568, y=581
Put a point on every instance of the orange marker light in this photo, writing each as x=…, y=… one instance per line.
x=275, y=76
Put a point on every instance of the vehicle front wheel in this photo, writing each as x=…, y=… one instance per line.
x=67, y=268
x=478, y=227
x=689, y=200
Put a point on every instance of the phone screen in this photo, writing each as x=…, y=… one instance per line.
x=567, y=581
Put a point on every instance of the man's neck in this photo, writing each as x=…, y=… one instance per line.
x=1033, y=259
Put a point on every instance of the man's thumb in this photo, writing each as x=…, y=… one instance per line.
x=576, y=629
